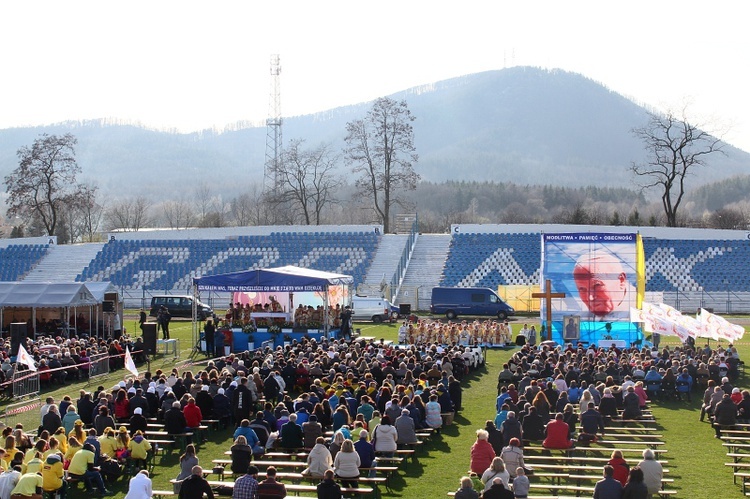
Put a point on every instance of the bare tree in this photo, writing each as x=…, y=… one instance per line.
x=91, y=212
x=306, y=180
x=80, y=217
x=728, y=218
x=380, y=148
x=45, y=180
x=241, y=209
x=140, y=210
x=203, y=197
x=178, y=214
x=131, y=214
x=676, y=148
x=212, y=210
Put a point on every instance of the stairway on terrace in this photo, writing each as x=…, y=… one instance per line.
x=424, y=270
x=384, y=263
x=63, y=263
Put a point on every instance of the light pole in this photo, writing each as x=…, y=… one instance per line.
x=729, y=303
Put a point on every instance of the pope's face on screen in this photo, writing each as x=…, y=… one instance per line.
x=602, y=284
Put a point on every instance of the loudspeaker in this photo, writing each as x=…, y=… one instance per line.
x=149, y=337
x=108, y=306
x=404, y=308
x=17, y=335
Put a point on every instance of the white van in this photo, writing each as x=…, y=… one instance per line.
x=366, y=308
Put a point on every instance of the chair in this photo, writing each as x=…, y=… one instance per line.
x=653, y=387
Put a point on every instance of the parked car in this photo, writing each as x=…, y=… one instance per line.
x=180, y=306
x=366, y=308
x=468, y=301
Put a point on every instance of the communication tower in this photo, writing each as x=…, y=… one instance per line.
x=273, y=129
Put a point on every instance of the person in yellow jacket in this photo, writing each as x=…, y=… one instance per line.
x=73, y=446
x=139, y=448
x=54, y=448
x=39, y=447
x=52, y=475
x=28, y=485
x=109, y=443
x=62, y=439
x=34, y=465
x=10, y=452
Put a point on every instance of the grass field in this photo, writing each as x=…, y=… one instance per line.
x=696, y=459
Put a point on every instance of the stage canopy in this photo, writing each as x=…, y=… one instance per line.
x=282, y=279
x=100, y=288
x=46, y=295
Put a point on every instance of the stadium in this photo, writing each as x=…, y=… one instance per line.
x=685, y=268
x=688, y=269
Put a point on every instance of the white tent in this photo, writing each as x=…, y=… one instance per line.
x=45, y=295
x=32, y=295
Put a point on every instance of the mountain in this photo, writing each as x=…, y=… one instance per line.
x=528, y=125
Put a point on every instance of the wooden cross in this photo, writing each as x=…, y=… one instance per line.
x=548, y=295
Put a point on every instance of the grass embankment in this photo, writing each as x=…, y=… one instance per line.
x=695, y=457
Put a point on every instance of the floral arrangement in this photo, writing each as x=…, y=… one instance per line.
x=274, y=329
x=249, y=328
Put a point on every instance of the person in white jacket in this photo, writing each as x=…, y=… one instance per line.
x=385, y=437
x=319, y=459
x=652, y=472
x=346, y=465
x=140, y=486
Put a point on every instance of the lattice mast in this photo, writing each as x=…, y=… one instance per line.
x=273, y=129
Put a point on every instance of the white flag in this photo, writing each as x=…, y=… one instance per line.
x=719, y=327
x=24, y=358
x=129, y=364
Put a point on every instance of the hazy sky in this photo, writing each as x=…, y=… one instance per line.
x=190, y=65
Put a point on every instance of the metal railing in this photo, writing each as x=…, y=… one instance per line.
x=403, y=263
x=99, y=365
x=25, y=383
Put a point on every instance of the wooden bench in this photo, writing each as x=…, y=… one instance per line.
x=652, y=443
x=401, y=456
x=592, y=448
x=297, y=488
x=596, y=478
x=736, y=445
x=634, y=436
x=158, y=494
x=737, y=455
x=575, y=459
x=628, y=429
x=265, y=463
x=553, y=488
x=447, y=418
x=743, y=475
x=212, y=424
x=573, y=467
x=374, y=482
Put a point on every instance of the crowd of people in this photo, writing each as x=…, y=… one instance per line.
x=545, y=393
x=239, y=315
x=62, y=360
x=373, y=396
x=426, y=331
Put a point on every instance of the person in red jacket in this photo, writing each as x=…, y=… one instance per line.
x=122, y=406
x=557, y=434
x=622, y=470
x=482, y=453
x=193, y=414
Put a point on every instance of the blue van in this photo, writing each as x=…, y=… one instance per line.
x=468, y=301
